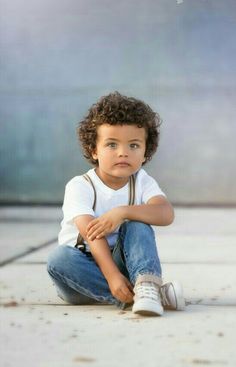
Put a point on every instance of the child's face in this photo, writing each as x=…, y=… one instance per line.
x=120, y=151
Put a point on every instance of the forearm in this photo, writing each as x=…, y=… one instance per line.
x=153, y=214
x=98, y=247
x=158, y=211
x=120, y=287
x=102, y=254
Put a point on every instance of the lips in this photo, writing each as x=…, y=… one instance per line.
x=122, y=164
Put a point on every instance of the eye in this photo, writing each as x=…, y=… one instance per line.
x=112, y=145
x=134, y=146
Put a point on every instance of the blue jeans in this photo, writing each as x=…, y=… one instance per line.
x=79, y=280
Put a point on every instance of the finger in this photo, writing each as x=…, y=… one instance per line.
x=125, y=299
x=95, y=234
x=91, y=224
x=98, y=234
x=102, y=234
x=128, y=298
x=99, y=230
x=124, y=296
x=95, y=230
x=130, y=286
x=127, y=293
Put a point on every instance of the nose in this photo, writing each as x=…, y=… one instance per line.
x=123, y=152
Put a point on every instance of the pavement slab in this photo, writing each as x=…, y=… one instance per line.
x=25, y=229
x=101, y=336
x=202, y=284
x=26, y=238
x=37, y=328
x=197, y=249
x=173, y=249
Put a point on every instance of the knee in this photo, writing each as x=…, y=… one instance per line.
x=138, y=230
x=138, y=226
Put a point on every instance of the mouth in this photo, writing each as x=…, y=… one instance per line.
x=122, y=164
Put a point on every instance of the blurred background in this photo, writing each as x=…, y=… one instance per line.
x=59, y=57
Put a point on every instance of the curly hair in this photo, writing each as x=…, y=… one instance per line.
x=116, y=109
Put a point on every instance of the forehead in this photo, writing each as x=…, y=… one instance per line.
x=121, y=132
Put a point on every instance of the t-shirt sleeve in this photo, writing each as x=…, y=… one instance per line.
x=150, y=188
x=78, y=199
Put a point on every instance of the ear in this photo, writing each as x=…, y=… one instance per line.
x=94, y=155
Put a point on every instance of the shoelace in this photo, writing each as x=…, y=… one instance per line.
x=147, y=290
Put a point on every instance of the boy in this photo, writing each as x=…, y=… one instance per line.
x=109, y=252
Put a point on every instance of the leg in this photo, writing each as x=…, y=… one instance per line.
x=140, y=251
x=69, y=295
x=143, y=265
x=77, y=277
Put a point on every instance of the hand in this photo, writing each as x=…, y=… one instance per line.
x=121, y=288
x=105, y=224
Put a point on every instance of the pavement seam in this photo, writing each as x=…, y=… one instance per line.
x=27, y=252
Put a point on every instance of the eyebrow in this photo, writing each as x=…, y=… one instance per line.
x=114, y=139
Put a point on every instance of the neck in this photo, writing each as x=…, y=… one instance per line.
x=114, y=183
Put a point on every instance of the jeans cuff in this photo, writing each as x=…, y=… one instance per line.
x=149, y=278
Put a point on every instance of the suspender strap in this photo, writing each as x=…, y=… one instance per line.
x=131, y=190
x=91, y=183
x=80, y=242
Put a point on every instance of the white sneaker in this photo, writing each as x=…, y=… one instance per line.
x=172, y=296
x=147, y=300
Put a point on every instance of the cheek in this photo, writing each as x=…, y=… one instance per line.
x=142, y=152
x=142, y=156
x=103, y=155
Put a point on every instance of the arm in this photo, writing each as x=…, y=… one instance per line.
x=157, y=211
x=120, y=286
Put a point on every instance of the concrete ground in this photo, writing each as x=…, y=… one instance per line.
x=38, y=329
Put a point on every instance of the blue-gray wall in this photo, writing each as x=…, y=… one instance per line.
x=58, y=57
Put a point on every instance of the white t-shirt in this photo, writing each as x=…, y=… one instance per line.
x=79, y=199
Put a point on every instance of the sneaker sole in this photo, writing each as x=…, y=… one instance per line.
x=147, y=309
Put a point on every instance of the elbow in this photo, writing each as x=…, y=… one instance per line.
x=169, y=216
